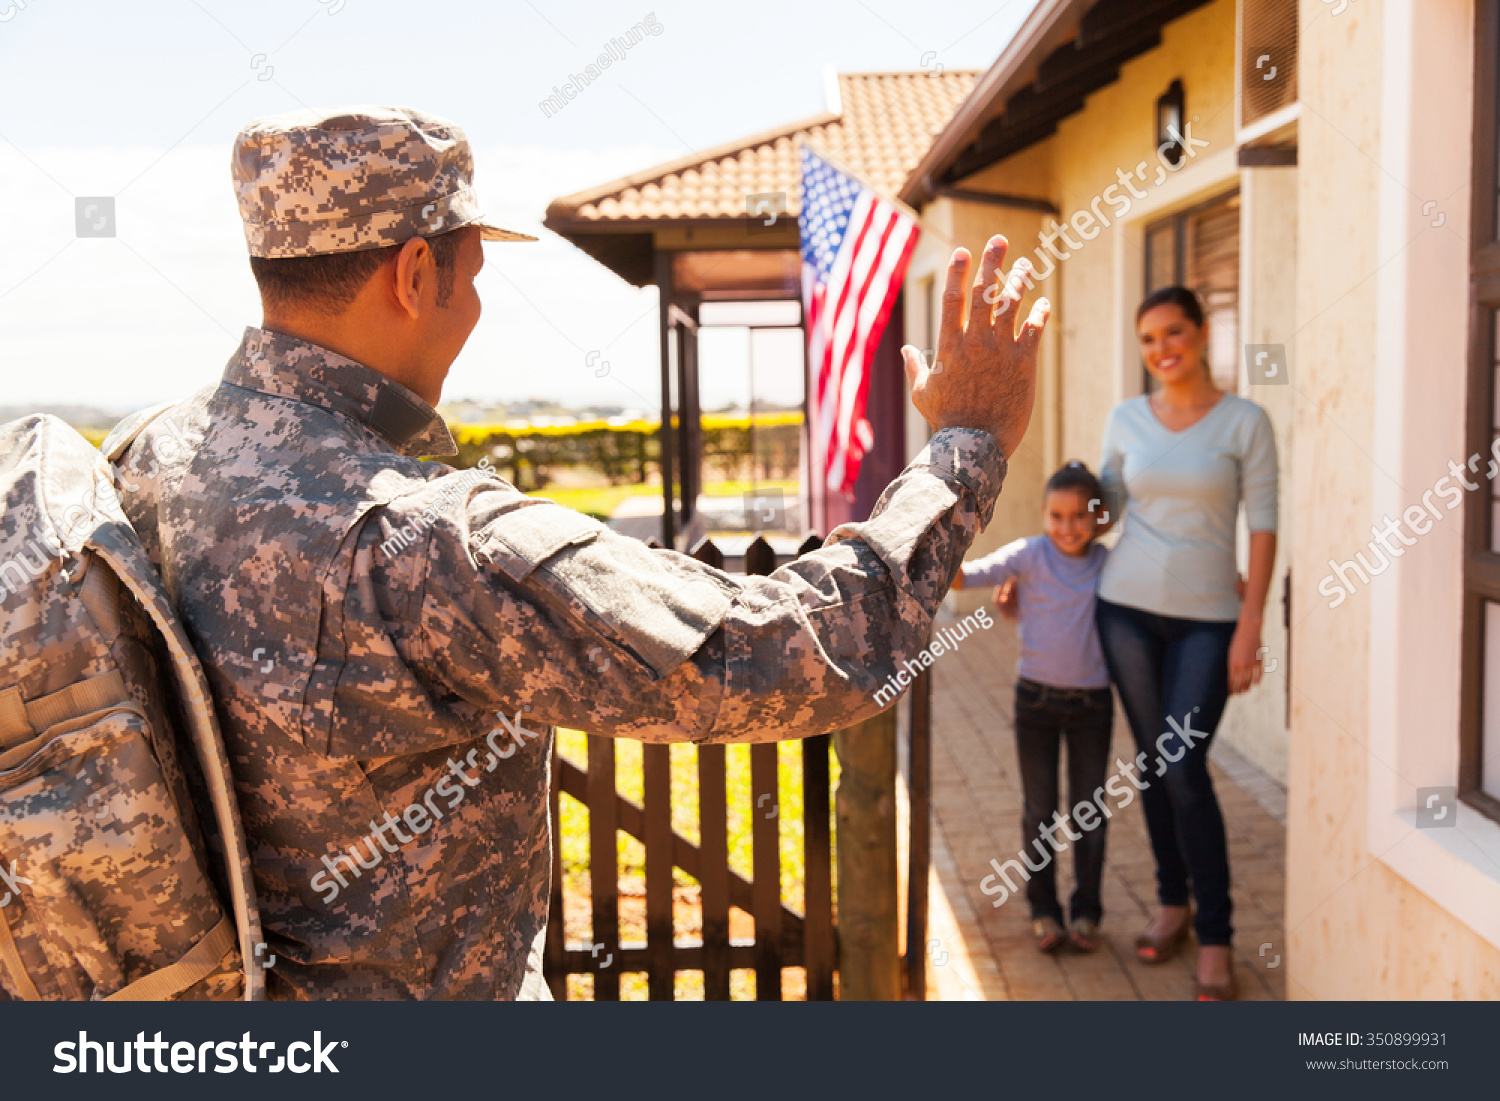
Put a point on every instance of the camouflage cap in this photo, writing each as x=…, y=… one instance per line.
x=340, y=179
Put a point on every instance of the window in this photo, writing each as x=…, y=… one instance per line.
x=1199, y=248
x=1479, y=755
x=927, y=294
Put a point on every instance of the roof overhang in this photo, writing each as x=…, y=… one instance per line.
x=627, y=246
x=1064, y=51
x=876, y=126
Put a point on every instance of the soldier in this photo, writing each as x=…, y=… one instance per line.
x=362, y=616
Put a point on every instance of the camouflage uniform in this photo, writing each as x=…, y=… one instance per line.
x=362, y=617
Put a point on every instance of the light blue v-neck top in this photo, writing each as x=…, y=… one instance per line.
x=1180, y=493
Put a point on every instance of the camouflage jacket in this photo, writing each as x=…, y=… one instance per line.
x=363, y=618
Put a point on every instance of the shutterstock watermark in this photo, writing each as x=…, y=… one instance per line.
x=614, y=50
x=419, y=817
x=1089, y=814
x=11, y=883
x=1338, y=585
x=12, y=9
x=194, y=1057
x=946, y=640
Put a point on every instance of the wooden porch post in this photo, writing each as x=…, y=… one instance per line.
x=919, y=852
x=684, y=324
x=663, y=262
x=869, y=960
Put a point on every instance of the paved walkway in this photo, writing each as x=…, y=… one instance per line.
x=980, y=952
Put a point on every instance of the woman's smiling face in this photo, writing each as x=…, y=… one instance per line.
x=1171, y=345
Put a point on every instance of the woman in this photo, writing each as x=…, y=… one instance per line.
x=1176, y=636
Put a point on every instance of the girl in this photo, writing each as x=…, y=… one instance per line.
x=1178, y=639
x=1062, y=693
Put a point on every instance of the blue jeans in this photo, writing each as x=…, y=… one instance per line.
x=1165, y=667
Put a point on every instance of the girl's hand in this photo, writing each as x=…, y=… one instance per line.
x=1244, y=659
x=1006, y=602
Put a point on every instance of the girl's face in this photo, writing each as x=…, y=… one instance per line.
x=1069, y=523
x=1171, y=345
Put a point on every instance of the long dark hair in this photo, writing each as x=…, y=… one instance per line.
x=1181, y=297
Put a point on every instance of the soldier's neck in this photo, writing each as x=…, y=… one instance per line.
x=354, y=338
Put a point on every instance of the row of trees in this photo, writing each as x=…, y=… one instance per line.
x=630, y=452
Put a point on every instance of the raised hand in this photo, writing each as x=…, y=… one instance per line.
x=985, y=373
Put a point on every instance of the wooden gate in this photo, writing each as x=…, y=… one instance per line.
x=783, y=937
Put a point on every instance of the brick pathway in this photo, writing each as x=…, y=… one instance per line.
x=978, y=951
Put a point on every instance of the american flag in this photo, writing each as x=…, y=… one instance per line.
x=855, y=247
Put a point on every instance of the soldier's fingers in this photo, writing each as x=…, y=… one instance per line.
x=951, y=323
x=991, y=271
x=913, y=361
x=1036, y=322
x=1008, y=297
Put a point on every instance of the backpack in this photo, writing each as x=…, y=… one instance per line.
x=119, y=832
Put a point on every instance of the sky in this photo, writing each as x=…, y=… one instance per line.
x=139, y=102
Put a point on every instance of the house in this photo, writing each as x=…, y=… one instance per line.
x=1323, y=172
x=716, y=232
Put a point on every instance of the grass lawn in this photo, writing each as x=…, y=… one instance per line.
x=687, y=922
x=601, y=501
x=597, y=501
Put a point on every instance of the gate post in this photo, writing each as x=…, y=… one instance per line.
x=869, y=961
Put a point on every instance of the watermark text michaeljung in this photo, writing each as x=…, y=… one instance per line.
x=614, y=50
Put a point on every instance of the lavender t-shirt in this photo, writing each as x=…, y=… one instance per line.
x=1055, y=592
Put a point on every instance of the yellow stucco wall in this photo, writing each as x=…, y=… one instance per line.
x=1116, y=129
x=1355, y=929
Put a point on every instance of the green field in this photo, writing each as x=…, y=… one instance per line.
x=601, y=501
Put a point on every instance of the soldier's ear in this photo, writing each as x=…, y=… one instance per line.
x=415, y=270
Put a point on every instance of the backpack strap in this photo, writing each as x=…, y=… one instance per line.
x=22, y=720
x=10, y=962
x=208, y=745
x=15, y=725
x=200, y=961
x=202, y=728
x=122, y=435
x=161, y=985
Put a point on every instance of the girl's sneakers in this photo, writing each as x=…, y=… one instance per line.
x=1084, y=936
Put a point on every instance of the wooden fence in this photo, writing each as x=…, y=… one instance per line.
x=783, y=937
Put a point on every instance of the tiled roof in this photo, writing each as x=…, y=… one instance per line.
x=885, y=125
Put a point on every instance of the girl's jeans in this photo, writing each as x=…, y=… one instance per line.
x=1045, y=718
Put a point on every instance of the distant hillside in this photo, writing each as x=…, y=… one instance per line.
x=79, y=416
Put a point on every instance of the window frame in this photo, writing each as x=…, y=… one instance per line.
x=1481, y=563
x=1177, y=222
